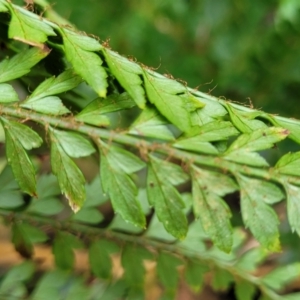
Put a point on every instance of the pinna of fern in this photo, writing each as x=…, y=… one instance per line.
x=180, y=136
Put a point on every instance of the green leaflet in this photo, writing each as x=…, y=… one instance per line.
x=70, y=178
x=244, y=121
x=115, y=165
x=21, y=63
x=12, y=285
x=222, y=279
x=88, y=215
x=41, y=99
x=21, y=241
x=24, y=236
x=150, y=123
x=195, y=239
x=168, y=97
x=28, y=27
x=46, y=206
x=212, y=131
x=93, y=112
x=194, y=144
x=10, y=199
x=165, y=198
x=51, y=105
x=290, y=125
x=242, y=149
x=257, y=215
x=169, y=173
x=128, y=74
x=3, y=7
x=289, y=164
x=210, y=207
x=18, y=137
x=280, y=277
x=74, y=144
x=123, y=160
x=52, y=285
x=244, y=290
x=212, y=110
x=249, y=260
x=293, y=206
x=66, y=81
x=132, y=262
x=194, y=274
x=167, y=272
x=199, y=137
x=63, y=246
x=7, y=93
x=100, y=257
x=79, y=50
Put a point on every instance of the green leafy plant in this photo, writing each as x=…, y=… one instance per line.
x=166, y=173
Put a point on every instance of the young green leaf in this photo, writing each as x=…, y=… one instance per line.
x=212, y=132
x=293, y=206
x=257, y=215
x=194, y=144
x=7, y=93
x=249, y=260
x=244, y=122
x=123, y=160
x=52, y=285
x=21, y=241
x=74, y=144
x=212, y=110
x=195, y=239
x=51, y=105
x=150, y=123
x=244, y=290
x=290, y=125
x=10, y=199
x=47, y=186
x=278, y=278
x=167, y=272
x=18, y=273
x=132, y=263
x=79, y=50
x=70, y=178
x=18, y=137
x=93, y=112
x=242, y=149
x=169, y=173
x=33, y=234
x=7, y=180
x=88, y=215
x=46, y=206
x=128, y=74
x=94, y=194
x=165, y=198
x=221, y=279
x=289, y=164
x=66, y=81
x=21, y=63
x=41, y=99
x=3, y=7
x=63, y=252
x=166, y=95
x=122, y=192
x=194, y=274
x=28, y=27
x=210, y=208
x=100, y=257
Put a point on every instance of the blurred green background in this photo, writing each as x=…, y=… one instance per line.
x=240, y=50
